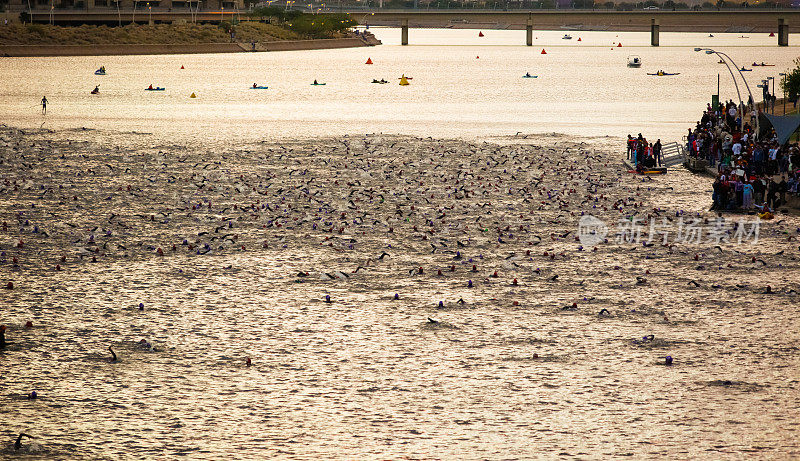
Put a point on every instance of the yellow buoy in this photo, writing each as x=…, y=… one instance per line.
x=193, y=95
x=403, y=80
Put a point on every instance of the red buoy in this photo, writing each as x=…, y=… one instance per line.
x=369, y=61
x=543, y=51
x=480, y=34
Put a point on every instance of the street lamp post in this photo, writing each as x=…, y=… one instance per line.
x=772, y=95
x=783, y=85
x=150, y=14
x=725, y=57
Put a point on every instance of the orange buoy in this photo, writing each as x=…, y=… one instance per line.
x=543, y=51
x=619, y=44
x=369, y=61
x=480, y=34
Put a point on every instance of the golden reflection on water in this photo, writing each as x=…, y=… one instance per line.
x=367, y=376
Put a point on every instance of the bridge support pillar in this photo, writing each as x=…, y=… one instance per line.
x=654, y=29
x=404, y=32
x=529, y=32
x=783, y=32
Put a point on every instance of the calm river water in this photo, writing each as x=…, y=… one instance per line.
x=463, y=86
x=230, y=218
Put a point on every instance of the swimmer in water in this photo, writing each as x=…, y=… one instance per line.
x=328, y=299
x=113, y=355
x=604, y=311
x=18, y=443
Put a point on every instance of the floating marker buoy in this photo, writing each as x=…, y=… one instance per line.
x=480, y=34
x=192, y=95
x=181, y=67
x=579, y=39
x=772, y=34
x=543, y=51
x=619, y=44
x=369, y=61
x=477, y=57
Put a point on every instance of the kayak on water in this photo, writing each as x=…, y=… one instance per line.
x=157, y=88
x=255, y=87
x=530, y=76
x=381, y=81
x=663, y=74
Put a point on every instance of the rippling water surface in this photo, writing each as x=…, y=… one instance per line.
x=255, y=234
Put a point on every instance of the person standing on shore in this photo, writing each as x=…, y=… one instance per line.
x=44, y=105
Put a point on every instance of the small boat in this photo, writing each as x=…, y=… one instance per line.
x=530, y=76
x=566, y=37
x=720, y=62
x=661, y=73
x=710, y=35
x=745, y=70
x=155, y=88
x=317, y=83
x=100, y=71
x=404, y=81
x=95, y=91
x=256, y=87
x=381, y=81
x=763, y=65
x=634, y=61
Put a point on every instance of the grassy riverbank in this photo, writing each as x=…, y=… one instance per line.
x=158, y=34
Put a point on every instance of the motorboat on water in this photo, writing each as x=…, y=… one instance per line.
x=100, y=71
x=634, y=61
x=566, y=37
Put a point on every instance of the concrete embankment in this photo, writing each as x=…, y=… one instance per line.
x=117, y=50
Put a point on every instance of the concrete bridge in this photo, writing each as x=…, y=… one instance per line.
x=781, y=22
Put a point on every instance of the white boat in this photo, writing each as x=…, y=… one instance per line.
x=634, y=61
x=567, y=37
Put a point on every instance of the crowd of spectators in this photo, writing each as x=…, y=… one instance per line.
x=751, y=174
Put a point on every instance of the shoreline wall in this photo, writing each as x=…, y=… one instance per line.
x=203, y=48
